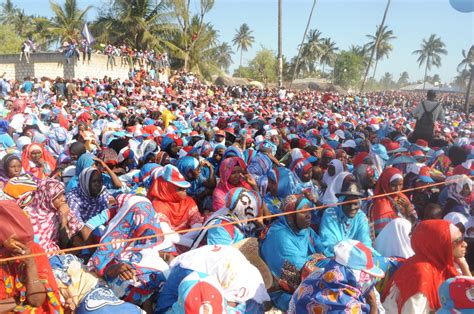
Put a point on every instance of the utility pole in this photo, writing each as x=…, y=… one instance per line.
x=375, y=45
x=302, y=42
x=280, y=53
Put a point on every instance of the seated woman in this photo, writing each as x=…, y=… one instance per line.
x=12, y=182
x=37, y=161
x=288, y=246
x=281, y=183
x=27, y=284
x=202, y=179
x=82, y=291
x=240, y=204
x=53, y=222
x=346, y=285
x=216, y=157
x=414, y=287
x=90, y=197
x=233, y=174
x=455, y=196
x=239, y=270
x=170, y=200
x=329, y=197
x=389, y=207
x=133, y=270
x=344, y=222
x=10, y=167
x=394, y=239
x=87, y=160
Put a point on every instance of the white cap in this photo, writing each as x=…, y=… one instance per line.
x=349, y=144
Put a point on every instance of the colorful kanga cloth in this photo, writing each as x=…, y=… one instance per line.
x=13, y=284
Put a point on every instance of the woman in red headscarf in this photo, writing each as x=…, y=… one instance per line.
x=391, y=206
x=27, y=285
x=170, y=200
x=414, y=287
x=37, y=161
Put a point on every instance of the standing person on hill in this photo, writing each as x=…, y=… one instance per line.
x=427, y=113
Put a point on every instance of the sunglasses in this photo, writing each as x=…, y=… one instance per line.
x=458, y=241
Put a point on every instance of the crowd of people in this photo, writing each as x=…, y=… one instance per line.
x=176, y=196
x=129, y=57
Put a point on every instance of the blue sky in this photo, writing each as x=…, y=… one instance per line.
x=345, y=21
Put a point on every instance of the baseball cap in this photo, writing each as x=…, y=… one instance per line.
x=457, y=295
x=171, y=174
x=355, y=255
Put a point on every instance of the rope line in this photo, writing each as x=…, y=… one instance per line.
x=91, y=246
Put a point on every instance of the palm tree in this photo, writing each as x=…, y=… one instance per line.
x=8, y=12
x=384, y=47
x=430, y=54
x=461, y=80
x=467, y=59
x=41, y=34
x=222, y=55
x=142, y=24
x=328, y=52
x=68, y=20
x=22, y=23
x=311, y=51
x=386, y=81
x=243, y=39
x=403, y=80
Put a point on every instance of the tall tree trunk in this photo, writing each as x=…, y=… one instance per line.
x=426, y=72
x=375, y=68
x=301, y=45
x=375, y=45
x=280, y=49
x=240, y=66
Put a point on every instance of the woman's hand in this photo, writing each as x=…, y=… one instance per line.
x=205, y=163
x=123, y=270
x=250, y=180
x=23, y=250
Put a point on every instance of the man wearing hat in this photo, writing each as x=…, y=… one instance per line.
x=345, y=221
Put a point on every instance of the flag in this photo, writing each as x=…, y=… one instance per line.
x=87, y=35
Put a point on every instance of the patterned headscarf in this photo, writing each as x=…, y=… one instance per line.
x=85, y=179
x=187, y=164
x=109, y=156
x=243, y=203
x=80, y=201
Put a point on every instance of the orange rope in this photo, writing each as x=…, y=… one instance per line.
x=3, y=260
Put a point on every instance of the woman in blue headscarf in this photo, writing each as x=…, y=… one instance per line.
x=281, y=183
x=288, y=246
x=233, y=151
x=215, y=159
x=202, y=179
x=6, y=140
x=85, y=161
x=240, y=204
x=259, y=168
x=57, y=141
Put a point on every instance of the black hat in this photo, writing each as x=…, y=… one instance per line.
x=350, y=189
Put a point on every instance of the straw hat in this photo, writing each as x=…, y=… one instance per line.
x=249, y=248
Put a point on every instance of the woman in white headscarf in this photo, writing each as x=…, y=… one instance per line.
x=329, y=196
x=335, y=167
x=394, y=239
